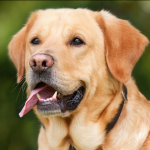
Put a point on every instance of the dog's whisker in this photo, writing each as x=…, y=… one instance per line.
x=24, y=85
x=18, y=94
x=21, y=87
x=22, y=79
x=16, y=85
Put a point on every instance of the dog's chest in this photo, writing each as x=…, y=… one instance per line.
x=84, y=135
x=78, y=133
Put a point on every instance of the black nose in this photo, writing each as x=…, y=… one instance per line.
x=41, y=62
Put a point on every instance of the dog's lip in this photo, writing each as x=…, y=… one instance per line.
x=44, y=90
x=46, y=93
x=62, y=103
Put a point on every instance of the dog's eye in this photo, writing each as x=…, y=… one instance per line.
x=35, y=41
x=76, y=42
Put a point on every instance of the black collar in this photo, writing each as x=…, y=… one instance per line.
x=114, y=120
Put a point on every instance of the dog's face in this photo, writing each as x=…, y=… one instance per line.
x=63, y=38
x=70, y=56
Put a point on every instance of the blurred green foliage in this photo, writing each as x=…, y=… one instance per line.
x=21, y=134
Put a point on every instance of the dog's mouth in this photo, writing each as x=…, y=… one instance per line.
x=51, y=102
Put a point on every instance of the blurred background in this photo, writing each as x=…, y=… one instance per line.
x=21, y=133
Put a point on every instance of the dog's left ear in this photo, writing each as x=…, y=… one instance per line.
x=17, y=47
x=17, y=52
x=123, y=44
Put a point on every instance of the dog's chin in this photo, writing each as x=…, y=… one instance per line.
x=52, y=103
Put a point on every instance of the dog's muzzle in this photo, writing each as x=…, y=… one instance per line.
x=46, y=94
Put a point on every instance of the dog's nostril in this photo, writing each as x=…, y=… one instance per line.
x=44, y=64
x=34, y=63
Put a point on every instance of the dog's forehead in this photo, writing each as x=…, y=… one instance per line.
x=65, y=15
x=60, y=19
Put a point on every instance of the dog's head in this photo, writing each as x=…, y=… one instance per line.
x=71, y=55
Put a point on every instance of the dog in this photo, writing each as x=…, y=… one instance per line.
x=77, y=65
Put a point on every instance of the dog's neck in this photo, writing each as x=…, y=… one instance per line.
x=116, y=116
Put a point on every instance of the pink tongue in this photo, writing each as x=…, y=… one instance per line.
x=31, y=101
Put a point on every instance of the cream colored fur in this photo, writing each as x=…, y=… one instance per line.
x=103, y=64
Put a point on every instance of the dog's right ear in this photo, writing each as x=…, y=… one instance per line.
x=17, y=47
x=124, y=45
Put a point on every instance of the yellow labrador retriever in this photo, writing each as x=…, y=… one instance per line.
x=78, y=65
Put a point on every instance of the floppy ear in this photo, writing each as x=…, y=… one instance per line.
x=17, y=48
x=17, y=52
x=123, y=44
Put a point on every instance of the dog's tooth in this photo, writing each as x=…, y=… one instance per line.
x=42, y=99
x=55, y=95
x=38, y=96
x=49, y=99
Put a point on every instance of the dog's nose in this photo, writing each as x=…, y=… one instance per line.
x=41, y=62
